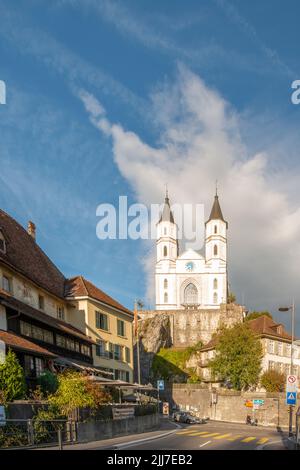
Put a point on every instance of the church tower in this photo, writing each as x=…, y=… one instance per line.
x=216, y=253
x=166, y=255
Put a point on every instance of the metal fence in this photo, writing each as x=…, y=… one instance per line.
x=35, y=432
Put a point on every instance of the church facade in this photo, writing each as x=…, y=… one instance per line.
x=191, y=280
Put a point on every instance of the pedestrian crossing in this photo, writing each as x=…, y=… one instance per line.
x=226, y=436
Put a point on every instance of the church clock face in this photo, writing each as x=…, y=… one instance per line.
x=189, y=266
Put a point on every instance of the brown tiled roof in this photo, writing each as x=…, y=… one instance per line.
x=25, y=256
x=80, y=287
x=17, y=342
x=44, y=318
x=262, y=326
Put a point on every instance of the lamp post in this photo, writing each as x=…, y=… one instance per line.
x=292, y=309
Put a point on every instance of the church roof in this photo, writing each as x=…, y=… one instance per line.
x=216, y=212
x=167, y=214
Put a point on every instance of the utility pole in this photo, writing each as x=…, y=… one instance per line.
x=136, y=332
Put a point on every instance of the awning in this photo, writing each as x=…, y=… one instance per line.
x=19, y=343
x=63, y=361
x=121, y=384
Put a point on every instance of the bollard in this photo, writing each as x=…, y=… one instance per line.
x=59, y=436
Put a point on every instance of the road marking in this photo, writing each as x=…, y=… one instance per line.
x=248, y=439
x=263, y=440
x=195, y=433
x=204, y=444
x=234, y=438
x=187, y=431
x=210, y=434
x=222, y=436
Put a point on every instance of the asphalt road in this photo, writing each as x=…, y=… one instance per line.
x=214, y=436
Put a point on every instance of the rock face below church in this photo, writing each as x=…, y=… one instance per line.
x=180, y=329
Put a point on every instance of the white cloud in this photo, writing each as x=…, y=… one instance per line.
x=199, y=142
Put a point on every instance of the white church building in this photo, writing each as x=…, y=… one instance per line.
x=190, y=279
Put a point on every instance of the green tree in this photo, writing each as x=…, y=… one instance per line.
x=48, y=382
x=254, y=315
x=273, y=381
x=231, y=298
x=238, y=357
x=12, y=379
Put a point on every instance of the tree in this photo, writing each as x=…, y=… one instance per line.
x=238, y=357
x=231, y=298
x=254, y=315
x=273, y=381
x=12, y=379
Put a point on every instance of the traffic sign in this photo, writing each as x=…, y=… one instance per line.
x=292, y=384
x=291, y=398
x=161, y=384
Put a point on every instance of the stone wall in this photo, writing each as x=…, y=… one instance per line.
x=229, y=406
x=189, y=326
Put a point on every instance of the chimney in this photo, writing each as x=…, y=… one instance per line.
x=31, y=229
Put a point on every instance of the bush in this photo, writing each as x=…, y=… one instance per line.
x=273, y=381
x=44, y=425
x=12, y=379
x=48, y=382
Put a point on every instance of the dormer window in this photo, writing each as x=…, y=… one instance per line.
x=2, y=243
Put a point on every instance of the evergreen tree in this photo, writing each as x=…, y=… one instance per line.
x=12, y=379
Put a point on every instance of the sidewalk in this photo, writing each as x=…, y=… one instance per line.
x=166, y=427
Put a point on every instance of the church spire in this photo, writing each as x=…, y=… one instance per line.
x=167, y=214
x=216, y=212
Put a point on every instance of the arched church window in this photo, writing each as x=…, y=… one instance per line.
x=166, y=283
x=215, y=283
x=165, y=231
x=215, y=250
x=215, y=229
x=191, y=294
x=215, y=298
x=166, y=297
x=165, y=251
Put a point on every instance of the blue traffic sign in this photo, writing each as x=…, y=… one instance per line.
x=161, y=384
x=291, y=398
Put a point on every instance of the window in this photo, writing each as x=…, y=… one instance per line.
x=101, y=348
x=117, y=352
x=37, y=333
x=165, y=297
x=166, y=284
x=101, y=321
x=7, y=284
x=279, y=351
x=60, y=312
x=215, y=229
x=26, y=329
x=39, y=367
x=116, y=374
x=2, y=243
x=61, y=341
x=110, y=350
x=288, y=350
x=165, y=231
x=127, y=355
x=127, y=376
x=191, y=294
x=215, y=298
x=165, y=251
x=215, y=283
x=70, y=344
x=85, y=350
x=121, y=327
x=41, y=302
x=271, y=365
x=271, y=347
x=215, y=250
x=29, y=366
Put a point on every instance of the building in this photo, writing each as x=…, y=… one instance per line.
x=276, y=344
x=39, y=318
x=191, y=279
x=108, y=323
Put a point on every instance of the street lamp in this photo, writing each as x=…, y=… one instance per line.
x=292, y=309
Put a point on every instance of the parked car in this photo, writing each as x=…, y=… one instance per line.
x=176, y=415
x=189, y=419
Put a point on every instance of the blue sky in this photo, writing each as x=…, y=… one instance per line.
x=152, y=66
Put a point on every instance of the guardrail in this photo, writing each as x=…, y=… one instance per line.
x=34, y=432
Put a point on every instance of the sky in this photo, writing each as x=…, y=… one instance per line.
x=110, y=98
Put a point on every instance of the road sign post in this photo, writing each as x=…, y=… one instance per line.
x=291, y=397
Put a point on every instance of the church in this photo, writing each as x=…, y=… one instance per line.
x=191, y=280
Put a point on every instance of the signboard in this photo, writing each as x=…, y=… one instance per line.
x=123, y=413
x=258, y=402
x=161, y=384
x=2, y=416
x=2, y=352
x=291, y=389
x=165, y=408
x=249, y=403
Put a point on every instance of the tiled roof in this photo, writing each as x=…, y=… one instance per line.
x=44, y=318
x=17, y=342
x=80, y=287
x=262, y=326
x=25, y=256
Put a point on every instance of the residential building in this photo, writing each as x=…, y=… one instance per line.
x=37, y=320
x=276, y=345
x=108, y=323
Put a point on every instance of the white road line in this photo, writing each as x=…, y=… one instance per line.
x=202, y=445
